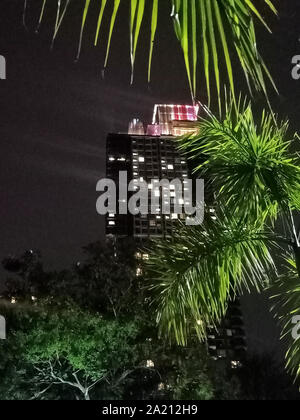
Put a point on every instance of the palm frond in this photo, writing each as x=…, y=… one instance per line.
x=286, y=306
x=194, y=274
x=213, y=29
x=250, y=164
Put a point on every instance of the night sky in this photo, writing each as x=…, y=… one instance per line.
x=55, y=116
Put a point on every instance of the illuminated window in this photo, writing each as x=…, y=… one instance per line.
x=112, y=159
x=161, y=386
x=150, y=364
x=111, y=215
x=170, y=167
x=174, y=216
x=111, y=223
x=141, y=159
x=235, y=364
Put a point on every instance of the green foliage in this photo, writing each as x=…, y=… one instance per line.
x=50, y=346
x=86, y=342
x=55, y=344
x=250, y=164
x=203, y=28
x=286, y=305
x=52, y=340
x=191, y=378
x=194, y=274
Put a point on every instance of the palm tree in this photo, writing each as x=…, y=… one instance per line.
x=203, y=28
x=256, y=180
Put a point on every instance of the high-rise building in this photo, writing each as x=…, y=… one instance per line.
x=228, y=342
x=152, y=157
x=149, y=159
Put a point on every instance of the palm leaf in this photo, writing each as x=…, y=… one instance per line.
x=84, y=16
x=194, y=275
x=214, y=28
x=137, y=15
x=286, y=305
x=250, y=165
x=100, y=18
x=154, y=21
x=111, y=28
x=41, y=15
x=61, y=10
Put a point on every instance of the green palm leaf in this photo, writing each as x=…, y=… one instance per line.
x=153, y=34
x=286, y=305
x=111, y=28
x=195, y=274
x=250, y=165
x=212, y=28
x=137, y=15
x=100, y=18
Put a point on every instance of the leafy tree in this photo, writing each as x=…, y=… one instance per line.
x=256, y=179
x=79, y=350
x=203, y=29
x=105, y=281
x=72, y=348
x=108, y=278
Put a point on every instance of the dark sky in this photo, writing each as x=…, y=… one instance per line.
x=55, y=116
